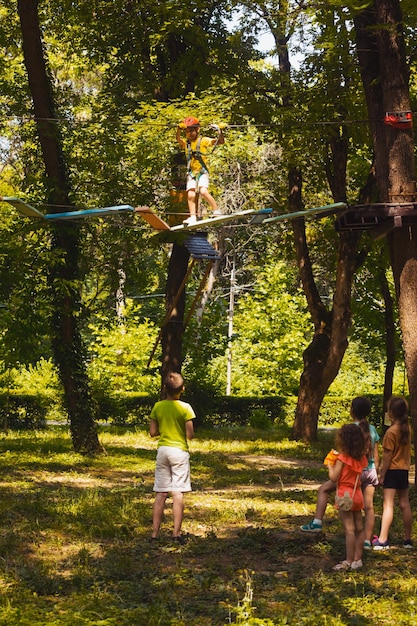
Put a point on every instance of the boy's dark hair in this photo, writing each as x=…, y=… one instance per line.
x=173, y=383
x=360, y=407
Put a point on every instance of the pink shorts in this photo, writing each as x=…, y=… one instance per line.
x=369, y=478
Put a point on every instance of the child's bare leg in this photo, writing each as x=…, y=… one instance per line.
x=323, y=497
x=405, y=507
x=178, y=512
x=158, y=511
x=368, y=498
x=204, y=192
x=191, y=201
x=359, y=535
x=350, y=535
x=387, y=514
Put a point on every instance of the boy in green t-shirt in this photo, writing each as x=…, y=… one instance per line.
x=172, y=422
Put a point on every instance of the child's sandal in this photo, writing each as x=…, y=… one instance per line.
x=343, y=566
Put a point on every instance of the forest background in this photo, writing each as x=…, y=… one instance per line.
x=123, y=74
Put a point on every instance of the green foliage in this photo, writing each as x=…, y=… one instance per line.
x=259, y=419
x=123, y=77
x=270, y=333
x=335, y=411
x=30, y=395
x=125, y=409
x=361, y=373
x=41, y=377
x=245, y=610
x=19, y=411
x=119, y=356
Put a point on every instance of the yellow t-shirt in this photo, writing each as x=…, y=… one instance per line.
x=171, y=416
x=205, y=144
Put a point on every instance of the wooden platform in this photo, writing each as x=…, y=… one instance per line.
x=379, y=218
x=258, y=216
x=29, y=211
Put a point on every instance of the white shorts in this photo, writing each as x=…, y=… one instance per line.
x=172, y=472
x=203, y=181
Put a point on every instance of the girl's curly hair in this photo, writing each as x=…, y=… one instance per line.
x=350, y=441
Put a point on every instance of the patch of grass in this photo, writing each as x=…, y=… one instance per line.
x=75, y=549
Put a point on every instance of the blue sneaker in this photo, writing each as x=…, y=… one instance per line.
x=311, y=527
x=380, y=545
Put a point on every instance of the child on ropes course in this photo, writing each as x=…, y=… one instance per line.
x=197, y=150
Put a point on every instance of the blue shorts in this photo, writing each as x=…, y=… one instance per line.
x=396, y=479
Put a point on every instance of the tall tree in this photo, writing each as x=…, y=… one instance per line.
x=65, y=273
x=385, y=74
x=323, y=357
x=331, y=73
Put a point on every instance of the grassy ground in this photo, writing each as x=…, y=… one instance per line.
x=75, y=550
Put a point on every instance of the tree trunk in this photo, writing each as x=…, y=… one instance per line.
x=69, y=353
x=323, y=357
x=403, y=250
x=385, y=75
x=390, y=348
x=172, y=333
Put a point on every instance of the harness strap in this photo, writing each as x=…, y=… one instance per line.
x=195, y=154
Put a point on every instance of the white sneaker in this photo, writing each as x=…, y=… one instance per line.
x=190, y=220
x=356, y=564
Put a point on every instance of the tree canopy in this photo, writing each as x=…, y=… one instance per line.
x=122, y=75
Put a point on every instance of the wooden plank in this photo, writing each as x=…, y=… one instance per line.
x=214, y=221
x=83, y=213
x=154, y=220
x=29, y=211
x=24, y=209
x=329, y=208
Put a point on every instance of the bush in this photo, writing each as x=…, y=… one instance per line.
x=336, y=410
x=128, y=409
x=21, y=411
x=260, y=419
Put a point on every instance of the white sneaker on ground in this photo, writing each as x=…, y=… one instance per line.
x=190, y=220
x=356, y=564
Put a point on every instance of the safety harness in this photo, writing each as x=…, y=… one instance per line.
x=195, y=154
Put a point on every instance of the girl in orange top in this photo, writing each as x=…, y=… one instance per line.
x=346, y=472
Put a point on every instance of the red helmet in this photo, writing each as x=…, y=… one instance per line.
x=191, y=121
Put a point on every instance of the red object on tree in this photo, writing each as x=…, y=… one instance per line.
x=399, y=119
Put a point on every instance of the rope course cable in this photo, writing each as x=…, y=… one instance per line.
x=285, y=123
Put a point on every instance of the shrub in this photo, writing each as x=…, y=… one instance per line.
x=20, y=411
x=260, y=419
